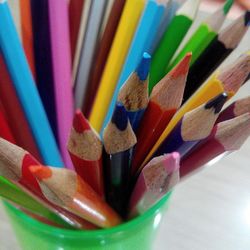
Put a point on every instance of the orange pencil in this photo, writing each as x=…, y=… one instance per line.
x=85, y=149
x=165, y=99
x=65, y=188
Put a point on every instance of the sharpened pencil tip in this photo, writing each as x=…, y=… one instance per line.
x=40, y=172
x=80, y=123
x=172, y=161
x=143, y=67
x=247, y=18
x=227, y=6
x=120, y=117
x=182, y=67
x=217, y=102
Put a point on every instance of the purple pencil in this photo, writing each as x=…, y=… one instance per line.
x=155, y=180
x=61, y=61
x=193, y=127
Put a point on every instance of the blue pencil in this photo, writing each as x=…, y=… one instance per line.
x=195, y=126
x=26, y=89
x=142, y=41
x=134, y=92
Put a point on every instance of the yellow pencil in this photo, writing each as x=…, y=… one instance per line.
x=229, y=80
x=117, y=55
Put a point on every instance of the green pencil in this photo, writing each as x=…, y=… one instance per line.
x=203, y=36
x=12, y=193
x=171, y=40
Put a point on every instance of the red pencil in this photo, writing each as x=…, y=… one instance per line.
x=85, y=149
x=14, y=113
x=165, y=99
x=5, y=131
x=14, y=166
x=226, y=137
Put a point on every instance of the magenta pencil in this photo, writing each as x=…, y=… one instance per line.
x=61, y=61
x=155, y=180
x=235, y=109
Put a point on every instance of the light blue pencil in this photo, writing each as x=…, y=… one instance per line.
x=170, y=11
x=142, y=41
x=26, y=89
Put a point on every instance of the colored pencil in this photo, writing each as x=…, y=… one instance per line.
x=88, y=50
x=171, y=40
x=172, y=7
x=106, y=17
x=227, y=80
x=156, y=179
x=219, y=49
x=77, y=196
x=75, y=14
x=61, y=63
x=15, y=6
x=119, y=140
x=203, y=36
x=85, y=149
x=80, y=38
x=14, y=166
x=226, y=137
x=194, y=126
x=102, y=54
x=42, y=53
x=27, y=34
x=5, y=131
x=14, y=113
x=134, y=92
x=164, y=101
x=235, y=109
x=142, y=40
x=22, y=200
x=124, y=34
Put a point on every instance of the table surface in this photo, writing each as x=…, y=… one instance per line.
x=208, y=211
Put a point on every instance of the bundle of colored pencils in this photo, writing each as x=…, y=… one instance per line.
x=92, y=133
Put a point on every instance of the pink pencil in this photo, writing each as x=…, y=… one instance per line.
x=155, y=180
x=61, y=61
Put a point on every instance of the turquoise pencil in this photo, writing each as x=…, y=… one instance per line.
x=142, y=41
x=26, y=89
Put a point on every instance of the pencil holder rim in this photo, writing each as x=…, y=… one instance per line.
x=89, y=233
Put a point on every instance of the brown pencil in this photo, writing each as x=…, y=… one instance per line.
x=102, y=53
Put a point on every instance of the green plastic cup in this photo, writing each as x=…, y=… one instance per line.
x=138, y=233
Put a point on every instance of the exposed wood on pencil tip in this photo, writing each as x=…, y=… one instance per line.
x=198, y=123
x=233, y=133
x=217, y=102
x=235, y=74
x=242, y=106
x=119, y=136
x=143, y=67
x=80, y=123
x=189, y=8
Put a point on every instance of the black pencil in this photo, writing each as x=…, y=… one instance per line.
x=119, y=140
x=221, y=47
